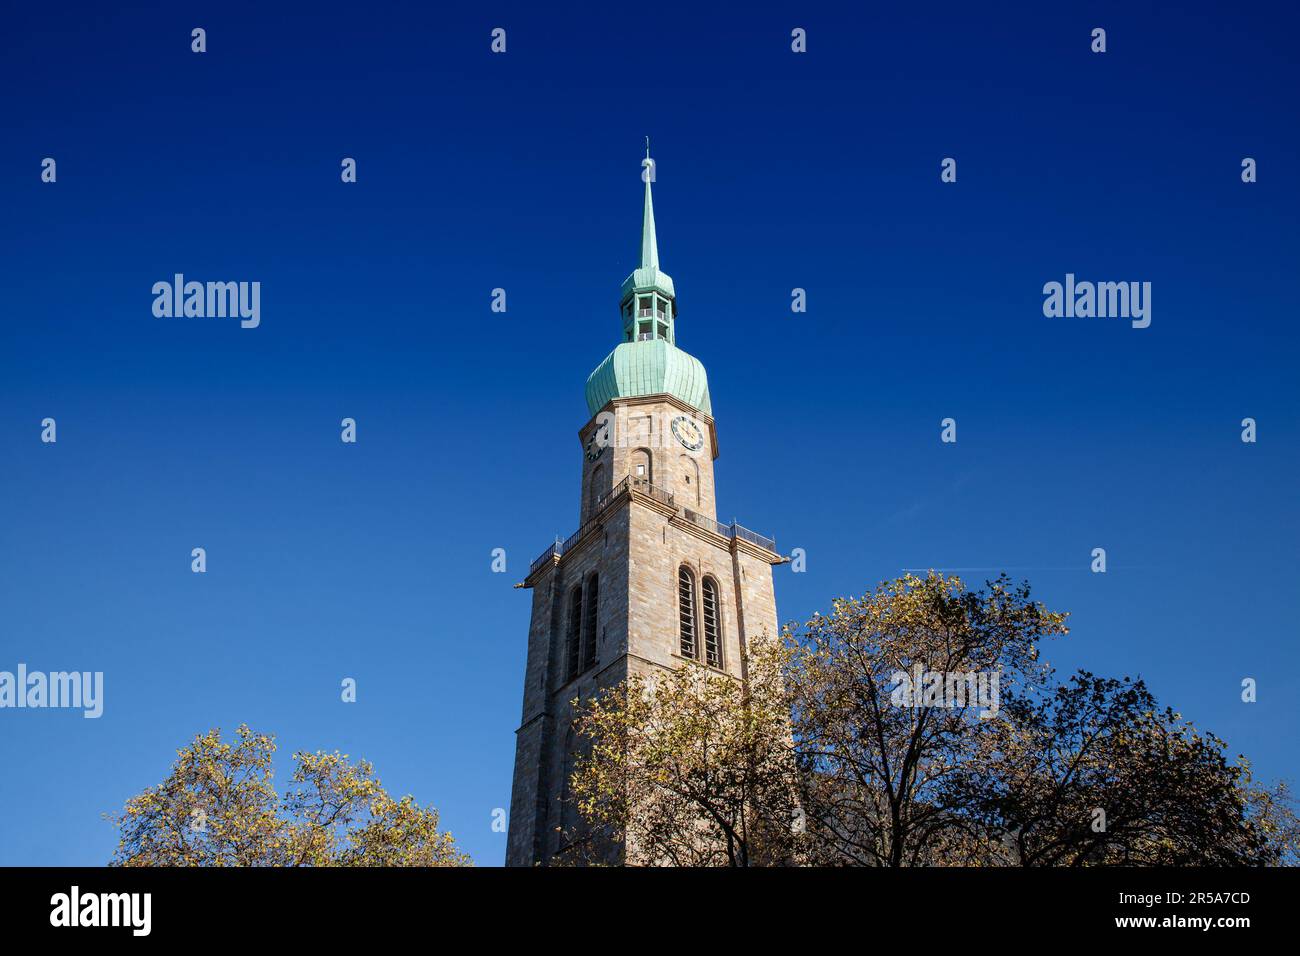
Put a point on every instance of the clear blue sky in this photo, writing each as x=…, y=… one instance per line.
x=521, y=171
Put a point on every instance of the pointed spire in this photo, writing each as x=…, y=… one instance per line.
x=647, y=302
x=649, y=244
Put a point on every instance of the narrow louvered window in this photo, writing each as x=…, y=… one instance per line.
x=589, y=623
x=574, y=631
x=686, y=610
x=709, y=616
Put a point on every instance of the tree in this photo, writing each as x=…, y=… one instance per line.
x=691, y=768
x=917, y=725
x=218, y=807
x=877, y=762
x=1094, y=772
x=1273, y=810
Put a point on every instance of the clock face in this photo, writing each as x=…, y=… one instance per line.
x=594, y=445
x=688, y=433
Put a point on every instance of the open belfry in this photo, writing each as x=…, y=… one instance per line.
x=650, y=579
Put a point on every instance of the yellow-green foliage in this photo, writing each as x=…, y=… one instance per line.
x=219, y=807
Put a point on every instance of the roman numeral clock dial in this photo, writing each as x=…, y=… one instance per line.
x=688, y=433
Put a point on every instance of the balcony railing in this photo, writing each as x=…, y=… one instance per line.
x=639, y=485
x=544, y=557
x=643, y=487
x=732, y=530
x=704, y=521
x=753, y=537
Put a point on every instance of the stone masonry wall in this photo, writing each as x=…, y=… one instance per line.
x=636, y=552
x=644, y=427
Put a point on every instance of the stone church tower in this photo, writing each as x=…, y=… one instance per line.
x=650, y=578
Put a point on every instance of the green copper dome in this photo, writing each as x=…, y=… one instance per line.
x=649, y=368
x=649, y=362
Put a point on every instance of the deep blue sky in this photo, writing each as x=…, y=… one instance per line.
x=521, y=171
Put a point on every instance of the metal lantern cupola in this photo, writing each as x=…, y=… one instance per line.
x=648, y=302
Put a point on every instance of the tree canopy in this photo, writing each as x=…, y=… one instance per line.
x=219, y=807
x=917, y=725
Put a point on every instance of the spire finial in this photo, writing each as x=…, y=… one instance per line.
x=649, y=243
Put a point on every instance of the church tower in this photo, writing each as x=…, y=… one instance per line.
x=650, y=579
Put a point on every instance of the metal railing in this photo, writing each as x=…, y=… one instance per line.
x=558, y=548
x=753, y=537
x=639, y=485
x=732, y=530
x=644, y=487
x=609, y=496
x=704, y=521
x=545, y=556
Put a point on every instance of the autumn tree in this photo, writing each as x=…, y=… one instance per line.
x=691, y=767
x=219, y=807
x=877, y=769
x=1095, y=772
x=918, y=725
x=1274, y=811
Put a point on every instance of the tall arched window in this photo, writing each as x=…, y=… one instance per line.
x=709, y=618
x=686, y=610
x=590, y=622
x=574, y=632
